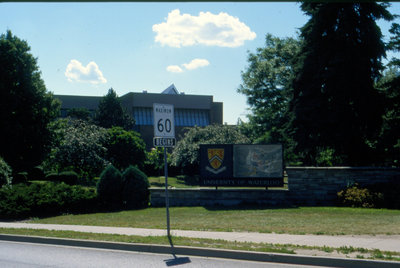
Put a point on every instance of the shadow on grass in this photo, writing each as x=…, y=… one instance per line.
x=176, y=260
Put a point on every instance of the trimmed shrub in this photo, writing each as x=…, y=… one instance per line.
x=136, y=193
x=355, y=196
x=109, y=188
x=5, y=173
x=22, y=201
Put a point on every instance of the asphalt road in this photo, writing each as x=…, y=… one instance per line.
x=16, y=254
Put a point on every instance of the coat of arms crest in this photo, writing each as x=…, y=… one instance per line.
x=216, y=159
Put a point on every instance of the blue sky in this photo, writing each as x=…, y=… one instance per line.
x=87, y=48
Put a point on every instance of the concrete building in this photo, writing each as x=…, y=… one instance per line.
x=189, y=110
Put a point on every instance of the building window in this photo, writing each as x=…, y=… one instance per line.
x=143, y=116
x=191, y=117
x=183, y=117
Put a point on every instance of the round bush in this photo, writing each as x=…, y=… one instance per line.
x=136, y=193
x=355, y=196
x=109, y=187
x=5, y=173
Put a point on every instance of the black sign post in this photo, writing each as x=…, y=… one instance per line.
x=164, y=136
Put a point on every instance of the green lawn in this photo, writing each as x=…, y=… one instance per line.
x=172, y=182
x=304, y=220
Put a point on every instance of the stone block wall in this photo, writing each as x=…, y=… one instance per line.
x=319, y=185
x=307, y=186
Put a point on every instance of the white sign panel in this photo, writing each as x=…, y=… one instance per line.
x=163, y=120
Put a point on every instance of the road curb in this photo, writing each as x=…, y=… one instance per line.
x=206, y=252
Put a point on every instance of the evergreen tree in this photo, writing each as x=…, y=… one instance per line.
x=389, y=142
x=335, y=107
x=111, y=113
x=26, y=107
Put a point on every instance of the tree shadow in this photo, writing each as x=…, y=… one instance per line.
x=176, y=260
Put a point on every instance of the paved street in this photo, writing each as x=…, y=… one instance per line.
x=29, y=255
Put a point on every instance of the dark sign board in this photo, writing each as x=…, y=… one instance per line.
x=241, y=165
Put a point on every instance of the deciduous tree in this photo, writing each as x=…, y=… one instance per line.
x=26, y=107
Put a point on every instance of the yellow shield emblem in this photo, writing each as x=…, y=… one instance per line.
x=215, y=157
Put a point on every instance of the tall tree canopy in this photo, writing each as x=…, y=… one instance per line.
x=389, y=142
x=335, y=105
x=26, y=107
x=111, y=113
x=267, y=85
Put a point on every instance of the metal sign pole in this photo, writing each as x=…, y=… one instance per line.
x=166, y=189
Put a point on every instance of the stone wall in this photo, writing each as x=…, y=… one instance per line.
x=307, y=186
x=319, y=185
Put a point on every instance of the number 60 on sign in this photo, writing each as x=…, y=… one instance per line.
x=163, y=120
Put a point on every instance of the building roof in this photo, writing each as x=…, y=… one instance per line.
x=71, y=101
x=133, y=99
x=171, y=90
x=179, y=101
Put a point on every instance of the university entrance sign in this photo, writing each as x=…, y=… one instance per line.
x=241, y=165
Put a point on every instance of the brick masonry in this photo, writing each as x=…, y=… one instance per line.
x=307, y=186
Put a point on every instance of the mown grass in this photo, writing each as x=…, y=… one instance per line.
x=206, y=243
x=302, y=220
x=173, y=182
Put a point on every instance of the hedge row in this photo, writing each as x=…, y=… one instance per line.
x=23, y=201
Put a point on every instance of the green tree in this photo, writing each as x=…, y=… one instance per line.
x=111, y=113
x=81, y=148
x=125, y=148
x=80, y=113
x=335, y=106
x=26, y=107
x=267, y=85
x=389, y=140
x=186, y=151
x=154, y=163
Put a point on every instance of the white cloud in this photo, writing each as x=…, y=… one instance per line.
x=209, y=29
x=79, y=73
x=174, y=69
x=196, y=63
